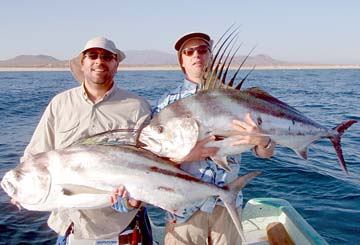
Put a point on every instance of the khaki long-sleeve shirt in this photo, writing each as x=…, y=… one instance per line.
x=71, y=116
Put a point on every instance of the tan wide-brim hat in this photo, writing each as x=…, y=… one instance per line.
x=186, y=38
x=97, y=42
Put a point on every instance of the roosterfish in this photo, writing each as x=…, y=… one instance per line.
x=174, y=131
x=83, y=176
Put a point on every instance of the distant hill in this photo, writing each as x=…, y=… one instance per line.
x=33, y=61
x=133, y=57
x=261, y=60
x=152, y=57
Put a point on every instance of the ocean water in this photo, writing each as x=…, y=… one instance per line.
x=317, y=188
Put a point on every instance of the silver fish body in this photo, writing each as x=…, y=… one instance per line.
x=213, y=112
x=84, y=176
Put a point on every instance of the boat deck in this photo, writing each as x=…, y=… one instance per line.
x=258, y=213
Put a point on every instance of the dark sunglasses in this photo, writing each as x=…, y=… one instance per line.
x=202, y=49
x=104, y=57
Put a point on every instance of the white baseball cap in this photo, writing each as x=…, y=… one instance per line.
x=97, y=42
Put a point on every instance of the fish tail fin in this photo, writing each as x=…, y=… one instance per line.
x=234, y=188
x=336, y=141
x=236, y=219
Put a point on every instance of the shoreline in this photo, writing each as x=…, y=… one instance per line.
x=176, y=67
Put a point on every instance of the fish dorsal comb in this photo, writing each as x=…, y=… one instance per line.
x=261, y=94
x=215, y=75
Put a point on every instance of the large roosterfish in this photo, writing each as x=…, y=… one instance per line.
x=83, y=176
x=174, y=131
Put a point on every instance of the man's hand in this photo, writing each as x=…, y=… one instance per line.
x=121, y=191
x=251, y=135
x=200, y=152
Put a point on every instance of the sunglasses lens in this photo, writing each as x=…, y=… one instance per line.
x=104, y=57
x=107, y=57
x=202, y=49
x=188, y=52
x=92, y=56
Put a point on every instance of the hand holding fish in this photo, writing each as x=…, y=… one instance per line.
x=251, y=135
x=129, y=202
x=200, y=152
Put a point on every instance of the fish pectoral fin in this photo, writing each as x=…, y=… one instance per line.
x=303, y=153
x=111, y=137
x=71, y=189
x=235, y=218
x=236, y=185
x=222, y=162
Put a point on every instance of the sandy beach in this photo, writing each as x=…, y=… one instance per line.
x=175, y=67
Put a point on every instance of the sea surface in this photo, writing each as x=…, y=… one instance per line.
x=317, y=188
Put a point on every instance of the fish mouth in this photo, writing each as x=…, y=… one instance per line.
x=8, y=187
x=149, y=143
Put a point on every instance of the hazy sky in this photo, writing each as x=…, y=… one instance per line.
x=301, y=31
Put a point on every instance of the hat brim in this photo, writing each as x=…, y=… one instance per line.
x=179, y=43
x=75, y=68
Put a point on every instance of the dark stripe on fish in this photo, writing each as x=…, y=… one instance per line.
x=178, y=175
x=258, y=100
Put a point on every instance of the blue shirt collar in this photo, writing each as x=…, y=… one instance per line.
x=190, y=85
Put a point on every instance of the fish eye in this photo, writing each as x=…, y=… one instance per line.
x=259, y=121
x=160, y=129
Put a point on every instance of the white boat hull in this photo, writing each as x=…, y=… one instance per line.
x=258, y=213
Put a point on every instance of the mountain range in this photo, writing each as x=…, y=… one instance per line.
x=133, y=58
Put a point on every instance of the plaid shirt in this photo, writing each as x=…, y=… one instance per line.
x=206, y=170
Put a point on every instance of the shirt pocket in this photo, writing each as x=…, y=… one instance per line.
x=67, y=133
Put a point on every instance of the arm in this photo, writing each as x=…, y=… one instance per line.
x=43, y=138
x=263, y=145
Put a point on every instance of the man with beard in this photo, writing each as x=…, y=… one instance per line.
x=97, y=105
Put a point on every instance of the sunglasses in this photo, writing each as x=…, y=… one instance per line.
x=202, y=49
x=104, y=57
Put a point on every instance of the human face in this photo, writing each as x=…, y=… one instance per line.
x=99, y=66
x=194, y=58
